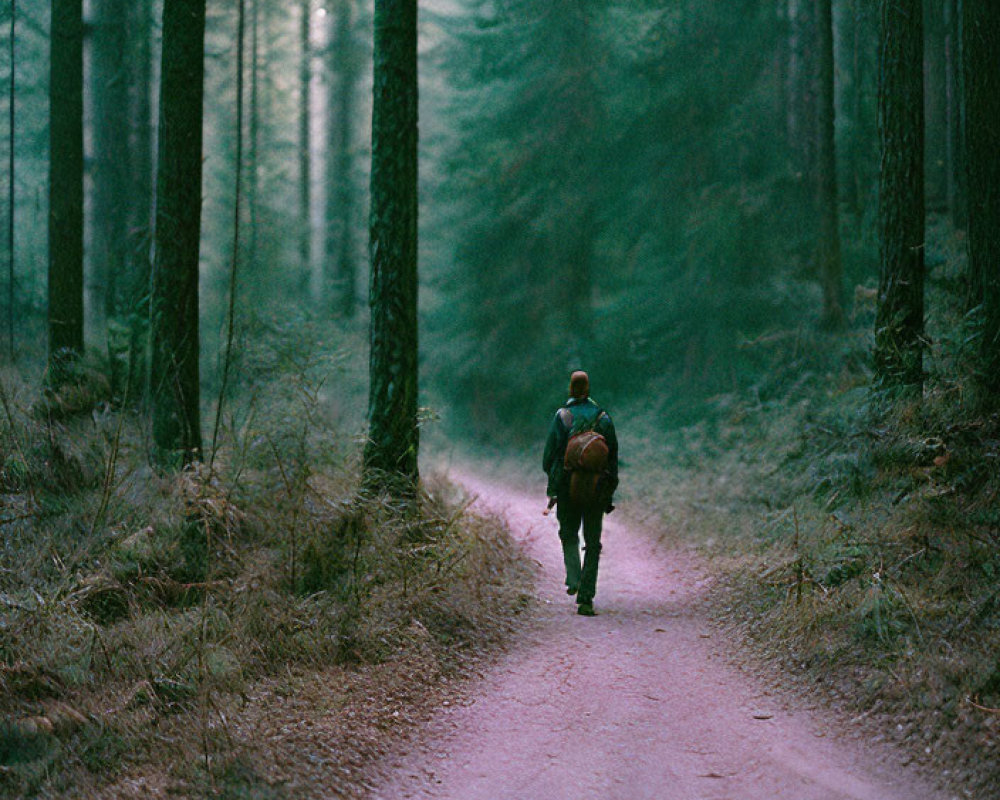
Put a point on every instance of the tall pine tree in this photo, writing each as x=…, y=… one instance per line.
x=899, y=324
x=828, y=250
x=175, y=385
x=982, y=86
x=390, y=458
x=66, y=184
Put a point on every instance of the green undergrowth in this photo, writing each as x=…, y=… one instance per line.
x=139, y=611
x=858, y=534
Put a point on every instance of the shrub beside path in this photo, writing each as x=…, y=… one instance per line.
x=638, y=702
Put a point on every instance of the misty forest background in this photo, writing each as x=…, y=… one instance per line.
x=768, y=229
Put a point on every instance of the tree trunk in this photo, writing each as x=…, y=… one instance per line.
x=305, y=144
x=11, y=191
x=803, y=114
x=935, y=106
x=982, y=86
x=957, y=204
x=66, y=184
x=112, y=183
x=175, y=386
x=253, y=166
x=390, y=459
x=899, y=324
x=340, y=201
x=828, y=244
x=140, y=224
x=855, y=70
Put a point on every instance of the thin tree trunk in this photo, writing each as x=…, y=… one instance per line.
x=782, y=54
x=957, y=204
x=935, y=106
x=828, y=250
x=253, y=167
x=856, y=190
x=66, y=184
x=390, y=459
x=804, y=86
x=305, y=145
x=112, y=177
x=982, y=87
x=175, y=387
x=141, y=203
x=899, y=325
x=340, y=202
x=237, y=209
x=11, y=190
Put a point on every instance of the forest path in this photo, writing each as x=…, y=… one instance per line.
x=638, y=702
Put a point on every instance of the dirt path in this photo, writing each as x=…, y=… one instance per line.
x=635, y=703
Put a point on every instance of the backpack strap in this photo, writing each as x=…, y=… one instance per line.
x=566, y=418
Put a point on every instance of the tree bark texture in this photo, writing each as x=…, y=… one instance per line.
x=899, y=324
x=341, y=199
x=175, y=382
x=828, y=244
x=66, y=182
x=982, y=86
x=390, y=458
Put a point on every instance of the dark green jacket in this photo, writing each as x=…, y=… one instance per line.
x=575, y=416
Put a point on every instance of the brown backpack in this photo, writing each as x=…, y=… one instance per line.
x=586, y=460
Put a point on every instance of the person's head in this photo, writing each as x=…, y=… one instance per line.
x=579, y=385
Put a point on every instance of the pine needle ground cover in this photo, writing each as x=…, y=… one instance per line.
x=253, y=629
x=857, y=535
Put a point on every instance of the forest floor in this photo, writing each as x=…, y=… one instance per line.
x=648, y=699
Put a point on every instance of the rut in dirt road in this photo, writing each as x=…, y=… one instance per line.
x=635, y=703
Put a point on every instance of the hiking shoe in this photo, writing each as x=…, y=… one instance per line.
x=571, y=590
x=586, y=610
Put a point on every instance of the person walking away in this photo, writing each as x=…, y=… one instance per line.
x=581, y=462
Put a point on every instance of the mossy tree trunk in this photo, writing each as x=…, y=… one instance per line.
x=982, y=87
x=899, y=323
x=175, y=383
x=390, y=459
x=65, y=316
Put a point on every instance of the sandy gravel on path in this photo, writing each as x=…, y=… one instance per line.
x=638, y=702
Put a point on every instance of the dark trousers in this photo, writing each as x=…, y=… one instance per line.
x=570, y=516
